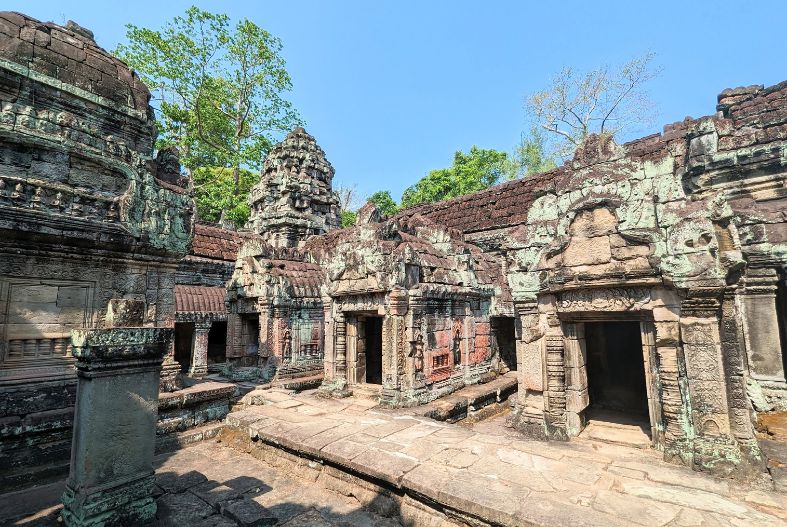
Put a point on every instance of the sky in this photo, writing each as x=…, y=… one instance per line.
x=391, y=89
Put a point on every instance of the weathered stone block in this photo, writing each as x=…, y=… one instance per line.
x=587, y=251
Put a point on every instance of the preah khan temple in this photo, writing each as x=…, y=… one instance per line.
x=633, y=297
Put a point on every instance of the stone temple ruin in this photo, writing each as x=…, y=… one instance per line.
x=641, y=281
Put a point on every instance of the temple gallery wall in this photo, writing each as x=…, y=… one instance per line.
x=643, y=281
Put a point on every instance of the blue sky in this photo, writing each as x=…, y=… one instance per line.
x=391, y=89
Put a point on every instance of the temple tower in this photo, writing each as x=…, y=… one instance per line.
x=294, y=198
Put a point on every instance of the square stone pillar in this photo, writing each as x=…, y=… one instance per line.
x=111, y=475
x=761, y=325
x=199, y=351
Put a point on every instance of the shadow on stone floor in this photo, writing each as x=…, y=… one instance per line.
x=195, y=490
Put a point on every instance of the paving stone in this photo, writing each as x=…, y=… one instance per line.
x=217, y=520
x=641, y=511
x=181, y=509
x=173, y=482
x=387, y=466
x=214, y=493
x=291, y=403
x=697, y=499
x=248, y=513
x=308, y=519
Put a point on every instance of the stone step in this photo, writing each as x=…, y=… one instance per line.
x=172, y=442
x=367, y=391
x=616, y=433
x=471, y=399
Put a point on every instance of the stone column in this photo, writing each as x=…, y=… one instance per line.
x=761, y=325
x=555, y=394
x=111, y=477
x=340, y=328
x=199, y=350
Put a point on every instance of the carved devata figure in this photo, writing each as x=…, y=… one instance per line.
x=457, y=334
x=417, y=354
x=286, y=351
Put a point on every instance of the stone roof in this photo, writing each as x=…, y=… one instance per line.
x=70, y=55
x=199, y=299
x=303, y=278
x=216, y=243
x=496, y=207
x=748, y=118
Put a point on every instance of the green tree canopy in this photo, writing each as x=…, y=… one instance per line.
x=384, y=202
x=214, y=194
x=347, y=218
x=529, y=156
x=219, y=91
x=478, y=169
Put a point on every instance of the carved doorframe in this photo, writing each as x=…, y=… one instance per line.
x=621, y=304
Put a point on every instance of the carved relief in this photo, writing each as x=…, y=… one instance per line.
x=614, y=299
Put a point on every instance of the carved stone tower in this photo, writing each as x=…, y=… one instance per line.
x=294, y=198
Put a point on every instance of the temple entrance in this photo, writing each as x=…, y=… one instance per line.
x=217, y=343
x=504, y=337
x=781, y=313
x=373, y=348
x=616, y=369
x=184, y=344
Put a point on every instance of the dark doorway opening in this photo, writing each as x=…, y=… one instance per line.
x=373, y=346
x=217, y=343
x=184, y=343
x=616, y=369
x=781, y=313
x=504, y=337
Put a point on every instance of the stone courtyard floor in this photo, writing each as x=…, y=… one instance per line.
x=301, y=460
x=490, y=473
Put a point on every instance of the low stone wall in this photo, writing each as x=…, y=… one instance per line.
x=36, y=423
x=35, y=432
x=193, y=406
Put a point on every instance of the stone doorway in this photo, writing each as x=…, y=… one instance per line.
x=616, y=369
x=781, y=313
x=373, y=344
x=504, y=336
x=217, y=343
x=618, y=409
x=184, y=343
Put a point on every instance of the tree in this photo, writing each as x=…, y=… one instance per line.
x=214, y=194
x=471, y=172
x=348, y=203
x=347, y=218
x=529, y=156
x=601, y=101
x=218, y=90
x=384, y=202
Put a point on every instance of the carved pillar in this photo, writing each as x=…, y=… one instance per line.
x=761, y=325
x=329, y=348
x=266, y=330
x=734, y=372
x=395, y=349
x=576, y=381
x=416, y=366
x=714, y=449
x=111, y=475
x=555, y=395
x=529, y=408
x=340, y=330
x=199, y=350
